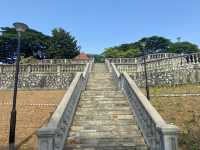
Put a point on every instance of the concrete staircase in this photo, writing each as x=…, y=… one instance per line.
x=104, y=120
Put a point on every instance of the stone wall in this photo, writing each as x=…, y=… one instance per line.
x=49, y=76
x=37, y=80
x=183, y=75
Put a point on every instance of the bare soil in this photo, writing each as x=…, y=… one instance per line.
x=29, y=117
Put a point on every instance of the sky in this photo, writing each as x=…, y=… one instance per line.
x=99, y=24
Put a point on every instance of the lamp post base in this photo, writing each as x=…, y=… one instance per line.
x=12, y=130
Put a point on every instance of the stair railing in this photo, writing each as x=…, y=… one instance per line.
x=53, y=135
x=107, y=63
x=157, y=133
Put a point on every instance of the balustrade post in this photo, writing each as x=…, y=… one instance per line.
x=46, y=138
x=169, y=137
x=58, y=69
x=29, y=69
x=1, y=69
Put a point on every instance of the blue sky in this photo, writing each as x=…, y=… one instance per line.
x=98, y=24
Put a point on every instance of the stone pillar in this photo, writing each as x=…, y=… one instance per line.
x=46, y=139
x=169, y=137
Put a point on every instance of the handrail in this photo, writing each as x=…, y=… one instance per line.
x=155, y=116
x=107, y=63
x=157, y=133
x=53, y=136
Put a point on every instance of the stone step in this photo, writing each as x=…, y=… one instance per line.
x=104, y=106
x=100, y=82
x=106, y=141
x=96, y=88
x=102, y=97
x=100, y=75
x=105, y=112
x=101, y=93
x=98, y=97
x=90, y=101
x=106, y=128
x=106, y=134
x=104, y=109
x=102, y=88
x=104, y=119
x=87, y=147
x=89, y=123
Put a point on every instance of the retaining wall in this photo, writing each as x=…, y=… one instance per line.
x=174, y=76
x=39, y=75
x=39, y=80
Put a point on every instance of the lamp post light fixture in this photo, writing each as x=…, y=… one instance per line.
x=143, y=44
x=20, y=27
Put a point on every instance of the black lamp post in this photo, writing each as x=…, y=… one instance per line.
x=143, y=44
x=20, y=27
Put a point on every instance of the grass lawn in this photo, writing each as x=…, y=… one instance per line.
x=182, y=111
x=29, y=117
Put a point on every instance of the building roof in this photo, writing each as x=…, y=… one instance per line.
x=82, y=56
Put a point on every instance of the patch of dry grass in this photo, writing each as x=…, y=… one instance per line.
x=29, y=118
x=183, y=112
x=176, y=89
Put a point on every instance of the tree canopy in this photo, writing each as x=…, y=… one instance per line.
x=183, y=47
x=154, y=44
x=34, y=43
x=63, y=45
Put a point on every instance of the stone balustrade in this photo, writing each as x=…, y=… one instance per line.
x=63, y=61
x=53, y=136
x=157, y=133
x=122, y=60
x=149, y=57
x=160, y=58
x=43, y=68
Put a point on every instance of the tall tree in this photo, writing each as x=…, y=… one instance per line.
x=183, y=47
x=156, y=44
x=32, y=42
x=62, y=45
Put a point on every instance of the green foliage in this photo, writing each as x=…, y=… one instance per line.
x=98, y=58
x=32, y=41
x=183, y=47
x=60, y=45
x=154, y=44
x=121, y=52
x=63, y=45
